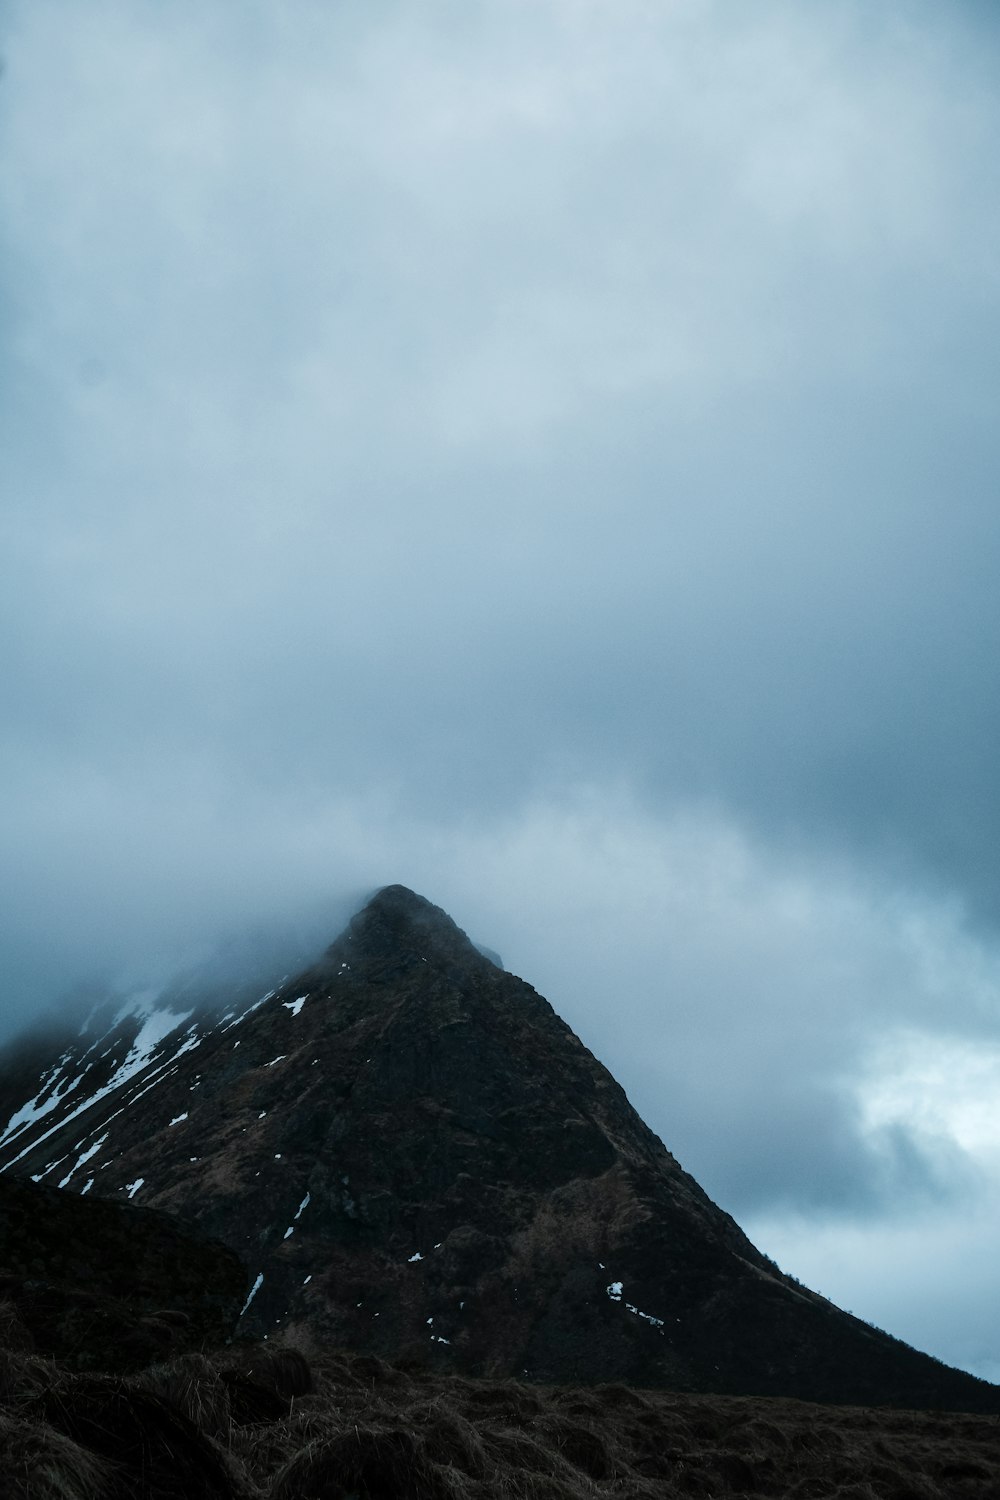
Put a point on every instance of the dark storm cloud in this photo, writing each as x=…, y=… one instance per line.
x=686, y=473
x=545, y=455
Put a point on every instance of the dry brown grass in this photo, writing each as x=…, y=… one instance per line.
x=256, y=1423
x=194, y=1384
x=40, y=1462
x=126, y=1441
x=363, y=1461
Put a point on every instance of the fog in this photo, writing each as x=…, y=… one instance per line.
x=544, y=455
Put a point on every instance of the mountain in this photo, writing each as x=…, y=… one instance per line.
x=417, y=1158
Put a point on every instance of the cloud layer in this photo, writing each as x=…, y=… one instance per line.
x=545, y=454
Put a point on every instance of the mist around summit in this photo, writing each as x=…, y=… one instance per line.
x=544, y=456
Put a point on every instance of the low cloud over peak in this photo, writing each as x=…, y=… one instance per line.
x=543, y=455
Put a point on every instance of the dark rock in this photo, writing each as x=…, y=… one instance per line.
x=110, y=1286
x=418, y=1159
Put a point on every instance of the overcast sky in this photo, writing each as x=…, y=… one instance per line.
x=544, y=452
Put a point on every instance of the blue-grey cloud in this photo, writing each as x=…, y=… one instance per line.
x=528, y=453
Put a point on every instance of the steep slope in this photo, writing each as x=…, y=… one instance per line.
x=416, y=1157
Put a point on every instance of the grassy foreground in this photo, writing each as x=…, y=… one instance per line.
x=255, y=1421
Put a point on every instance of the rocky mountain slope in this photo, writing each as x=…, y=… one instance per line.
x=417, y=1158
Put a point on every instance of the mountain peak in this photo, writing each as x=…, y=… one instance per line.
x=401, y=908
x=399, y=925
x=418, y=1158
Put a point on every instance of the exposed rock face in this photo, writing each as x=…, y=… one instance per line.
x=107, y=1286
x=416, y=1157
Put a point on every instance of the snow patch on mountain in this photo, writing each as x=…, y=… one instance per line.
x=297, y=1215
x=51, y=1091
x=85, y=1156
x=253, y=1291
x=156, y=1025
x=232, y=1020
